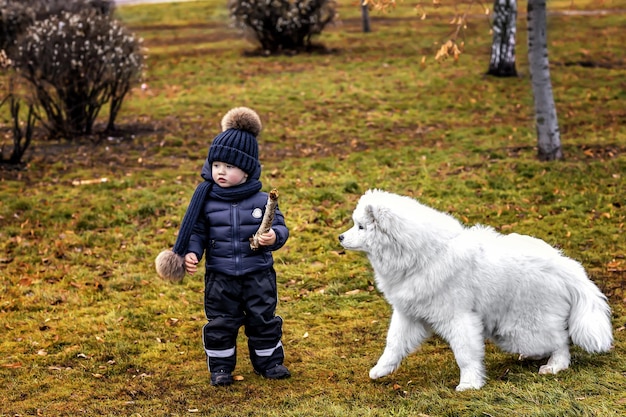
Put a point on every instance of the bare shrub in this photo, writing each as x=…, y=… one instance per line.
x=75, y=63
x=282, y=25
x=46, y=8
x=21, y=130
x=17, y=15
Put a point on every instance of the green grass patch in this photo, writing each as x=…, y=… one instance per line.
x=89, y=329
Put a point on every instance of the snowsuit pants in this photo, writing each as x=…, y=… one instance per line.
x=249, y=300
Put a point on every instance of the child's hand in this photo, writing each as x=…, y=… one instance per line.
x=267, y=239
x=191, y=263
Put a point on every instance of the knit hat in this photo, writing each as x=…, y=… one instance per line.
x=236, y=145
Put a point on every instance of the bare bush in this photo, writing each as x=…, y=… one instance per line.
x=282, y=25
x=51, y=7
x=75, y=63
x=21, y=130
x=17, y=15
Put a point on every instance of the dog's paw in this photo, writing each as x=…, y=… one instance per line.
x=547, y=370
x=464, y=386
x=379, y=371
x=470, y=381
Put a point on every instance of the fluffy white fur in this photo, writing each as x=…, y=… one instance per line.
x=468, y=284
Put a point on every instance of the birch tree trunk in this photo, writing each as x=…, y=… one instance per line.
x=502, y=63
x=365, y=17
x=546, y=122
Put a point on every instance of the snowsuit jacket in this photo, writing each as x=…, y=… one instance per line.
x=224, y=228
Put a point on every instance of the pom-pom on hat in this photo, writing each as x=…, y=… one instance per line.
x=236, y=145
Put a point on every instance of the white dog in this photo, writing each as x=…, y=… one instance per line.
x=468, y=284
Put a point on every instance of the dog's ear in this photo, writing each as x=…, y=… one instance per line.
x=377, y=215
x=370, y=215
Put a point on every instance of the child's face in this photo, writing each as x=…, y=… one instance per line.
x=226, y=175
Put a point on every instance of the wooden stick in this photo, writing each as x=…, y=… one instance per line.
x=268, y=219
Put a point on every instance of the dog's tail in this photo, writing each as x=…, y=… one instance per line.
x=590, y=316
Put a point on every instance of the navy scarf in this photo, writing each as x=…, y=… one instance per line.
x=206, y=189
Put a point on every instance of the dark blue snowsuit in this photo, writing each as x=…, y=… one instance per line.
x=240, y=283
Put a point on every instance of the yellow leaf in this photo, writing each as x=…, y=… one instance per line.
x=14, y=365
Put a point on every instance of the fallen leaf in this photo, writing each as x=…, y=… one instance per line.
x=58, y=368
x=14, y=365
x=87, y=182
x=25, y=282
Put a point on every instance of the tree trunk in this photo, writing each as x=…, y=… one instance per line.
x=546, y=122
x=365, y=16
x=502, y=63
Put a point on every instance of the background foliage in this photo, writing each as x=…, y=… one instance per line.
x=282, y=26
x=64, y=61
x=88, y=328
x=76, y=64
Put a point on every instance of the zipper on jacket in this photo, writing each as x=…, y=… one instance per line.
x=235, y=230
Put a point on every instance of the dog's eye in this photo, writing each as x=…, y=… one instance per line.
x=360, y=226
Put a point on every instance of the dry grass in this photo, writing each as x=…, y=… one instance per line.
x=88, y=328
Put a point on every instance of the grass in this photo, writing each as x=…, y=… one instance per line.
x=88, y=328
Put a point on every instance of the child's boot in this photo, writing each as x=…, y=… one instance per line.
x=276, y=372
x=221, y=378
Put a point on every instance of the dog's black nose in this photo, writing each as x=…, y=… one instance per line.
x=341, y=238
